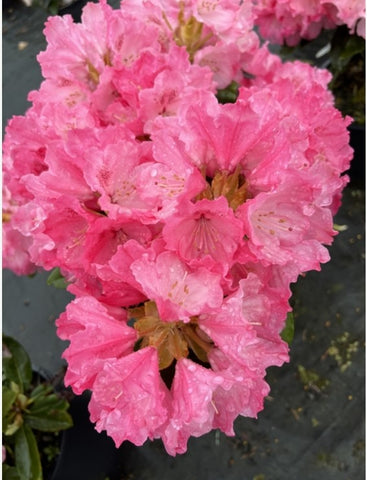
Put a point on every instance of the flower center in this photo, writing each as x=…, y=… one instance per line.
x=232, y=186
x=6, y=217
x=173, y=340
x=189, y=33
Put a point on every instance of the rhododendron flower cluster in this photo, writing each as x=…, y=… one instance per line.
x=178, y=222
x=288, y=21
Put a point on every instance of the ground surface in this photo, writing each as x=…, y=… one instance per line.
x=312, y=426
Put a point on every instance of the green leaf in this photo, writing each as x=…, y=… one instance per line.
x=48, y=412
x=40, y=390
x=27, y=457
x=344, y=48
x=228, y=94
x=8, y=399
x=287, y=333
x=55, y=279
x=52, y=421
x=16, y=363
x=48, y=400
x=10, y=473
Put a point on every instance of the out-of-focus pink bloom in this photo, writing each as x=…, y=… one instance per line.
x=288, y=21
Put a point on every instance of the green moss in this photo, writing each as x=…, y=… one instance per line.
x=342, y=350
x=311, y=380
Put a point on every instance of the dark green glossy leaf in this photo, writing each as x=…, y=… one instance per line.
x=16, y=364
x=48, y=412
x=48, y=401
x=55, y=279
x=287, y=333
x=40, y=390
x=27, y=457
x=52, y=421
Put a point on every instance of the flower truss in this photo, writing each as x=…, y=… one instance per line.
x=288, y=21
x=178, y=222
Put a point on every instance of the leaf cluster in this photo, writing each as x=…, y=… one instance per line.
x=26, y=409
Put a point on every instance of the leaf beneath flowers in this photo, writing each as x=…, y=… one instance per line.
x=48, y=413
x=27, y=457
x=287, y=333
x=55, y=279
x=16, y=363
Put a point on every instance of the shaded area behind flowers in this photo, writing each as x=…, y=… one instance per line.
x=312, y=421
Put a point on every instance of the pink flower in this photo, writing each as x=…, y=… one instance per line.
x=178, y=222
x=97, y=334
x=16, y=251
x=178, y=292
x=129, y=398
x=289, y=21
x=286, y=227
x=24, y=150
x=193, y=409
x=234, y=329
x=241, y=393
x=207, y=30
x=206, y=233
x=15, y=245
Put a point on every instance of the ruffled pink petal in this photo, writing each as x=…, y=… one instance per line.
x=177, y=292
x=129, y=399
x=95, y=334
x=192, y=407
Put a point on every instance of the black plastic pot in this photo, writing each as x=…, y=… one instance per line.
x=85, y=453
x=357, y=171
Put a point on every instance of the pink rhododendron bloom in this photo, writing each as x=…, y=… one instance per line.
x=234, y=331
x=129, y=398
x=284, y=21
x=178, y=222
x=15, y=251
x=193, y=409
x=95, y=337
x=206, y=232
x=178, y=292
x=217, y=34
x=242, y=392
